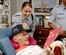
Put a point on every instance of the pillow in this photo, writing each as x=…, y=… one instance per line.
x=32, y=41
x=15, y=45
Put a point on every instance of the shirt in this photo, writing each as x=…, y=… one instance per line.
x=58, y=16
x=18, y=19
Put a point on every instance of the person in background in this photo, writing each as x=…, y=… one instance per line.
x=58, y=18
x=21, y=36
x=25, y=17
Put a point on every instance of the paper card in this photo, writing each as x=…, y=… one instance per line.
x=52, y=36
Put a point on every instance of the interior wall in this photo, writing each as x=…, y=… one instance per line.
x=13, y=5
x=19, y=4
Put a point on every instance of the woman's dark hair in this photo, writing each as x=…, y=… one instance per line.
x=26, y=3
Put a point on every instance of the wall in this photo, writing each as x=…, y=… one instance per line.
x=19, y=4
x=13, y=5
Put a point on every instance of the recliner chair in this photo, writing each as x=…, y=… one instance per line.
x=5, y=44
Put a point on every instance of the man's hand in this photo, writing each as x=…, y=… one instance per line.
x=65, y=33
x=62, y=33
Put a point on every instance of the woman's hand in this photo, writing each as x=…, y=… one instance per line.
x=25, y=25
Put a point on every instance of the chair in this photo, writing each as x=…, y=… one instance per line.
x=5, y=44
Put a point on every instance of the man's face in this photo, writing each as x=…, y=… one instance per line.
x=26, y=11
x=64, y=2
x=22, y=38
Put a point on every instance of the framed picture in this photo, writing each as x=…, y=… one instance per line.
x=39, y=20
